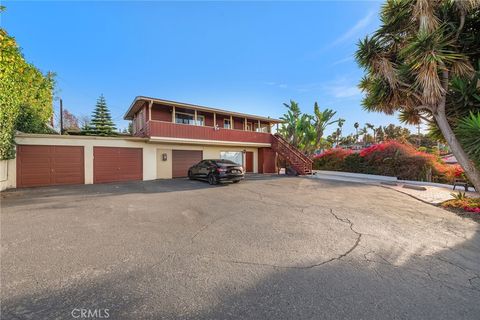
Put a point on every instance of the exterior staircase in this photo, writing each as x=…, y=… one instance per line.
x=300, y=162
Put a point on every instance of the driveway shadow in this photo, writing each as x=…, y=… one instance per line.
x=445, y=285
x=44, y=194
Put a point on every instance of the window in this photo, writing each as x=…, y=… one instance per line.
x=226, y=124
x=140, y=121
x=200, y=120
x=264, y=128
x=233, y=156
x=184, y=118
x=249, y=126
x=187, y=118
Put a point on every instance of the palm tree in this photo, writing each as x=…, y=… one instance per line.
x=356, y=125
x=363, y=132
x=340, y=123
x=305, y=131
x=379, y=134
x=411, y=61
x=291, y=122
x=371, y=127
x=321, y=119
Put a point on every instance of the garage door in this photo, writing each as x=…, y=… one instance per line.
x=184, y=159
x=112, y=164
x=49, y=165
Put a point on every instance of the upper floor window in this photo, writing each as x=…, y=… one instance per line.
x=200, y=120
x=227, y=124
x=187, y=118
x=184, y=118
x=140, y=120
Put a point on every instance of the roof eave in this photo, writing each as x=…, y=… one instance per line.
x=129, y=116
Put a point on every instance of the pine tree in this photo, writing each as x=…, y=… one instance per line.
x=101, y=123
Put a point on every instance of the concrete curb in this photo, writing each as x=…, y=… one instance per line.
x=338, y=175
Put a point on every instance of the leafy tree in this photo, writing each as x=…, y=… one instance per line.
x=101, y=123
x=70, y=121
x=83, y=121
x=414, y=59
x=26, y=96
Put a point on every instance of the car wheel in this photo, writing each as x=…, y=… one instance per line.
x=211, y=179
x=190, y=176
x=236, y=181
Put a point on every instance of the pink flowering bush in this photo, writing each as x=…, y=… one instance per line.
x=331, y=159
x=390, y=158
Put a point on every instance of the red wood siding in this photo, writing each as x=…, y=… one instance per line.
x=208, y=118
x=220, y=118
x=111, y=164
x=266, y=160
x=237, y=123
x=172, y=130
x=182, y=160
x=49, y=165
x=161, y=112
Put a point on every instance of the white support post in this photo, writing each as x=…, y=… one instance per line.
x=150, y=110
x=173, y=115
x=214, y=120
x=259, y=126
x=245, y=125
x=195, y=119
x=231, y=122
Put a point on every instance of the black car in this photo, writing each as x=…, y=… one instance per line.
x=216, y=170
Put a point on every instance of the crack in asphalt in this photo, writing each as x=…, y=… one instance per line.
x=343, y=255
x=447, y=284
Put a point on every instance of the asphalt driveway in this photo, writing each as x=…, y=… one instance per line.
x=277, y=248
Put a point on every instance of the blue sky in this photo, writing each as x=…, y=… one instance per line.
x=245, y=56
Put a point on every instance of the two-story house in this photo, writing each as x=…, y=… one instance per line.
x=168, y=138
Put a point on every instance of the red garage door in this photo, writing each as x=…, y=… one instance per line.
x=111, y=164
x=49, y=165
x=182, y=160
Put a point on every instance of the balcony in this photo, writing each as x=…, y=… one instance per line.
x=161, y=129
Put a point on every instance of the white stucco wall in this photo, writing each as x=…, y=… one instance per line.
x=8, y=177
x=153, y=165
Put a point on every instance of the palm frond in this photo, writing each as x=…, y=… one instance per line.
x=369, y=49
x=424, y=15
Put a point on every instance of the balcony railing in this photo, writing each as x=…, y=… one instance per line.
x=185, y=131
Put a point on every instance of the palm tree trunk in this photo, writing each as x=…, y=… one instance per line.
x=471, y=171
